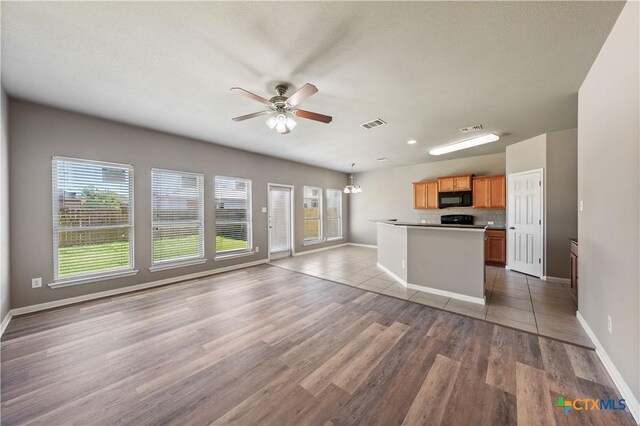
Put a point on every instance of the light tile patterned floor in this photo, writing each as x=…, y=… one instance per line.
x=513, y=299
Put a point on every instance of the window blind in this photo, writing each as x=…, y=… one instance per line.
x=177, y=216
x=233, y=214
x=334, y=214
x=92, y=218
x=312, y=199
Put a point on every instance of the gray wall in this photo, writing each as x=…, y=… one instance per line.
x=4, y=205
x=561, y=200
x=608, y=182
x=388, y=193
x=555, y=153
x=37, y=133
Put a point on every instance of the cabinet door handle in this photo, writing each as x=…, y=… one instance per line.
x=512, y=227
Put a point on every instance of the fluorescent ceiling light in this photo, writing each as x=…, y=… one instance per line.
x=469, y=143
x=412, y=142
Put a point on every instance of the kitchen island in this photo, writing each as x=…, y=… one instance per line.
x=447, y=260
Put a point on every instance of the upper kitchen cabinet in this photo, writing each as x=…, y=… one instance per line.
x=489, y=192
x=425, y=195
x=454, y=183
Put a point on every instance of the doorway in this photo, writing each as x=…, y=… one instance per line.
x=280, y=201
x=525, y=235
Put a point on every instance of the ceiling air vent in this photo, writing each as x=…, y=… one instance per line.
x=471, y=128
x=373, y=123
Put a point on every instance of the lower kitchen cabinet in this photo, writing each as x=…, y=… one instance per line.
x=495, y=247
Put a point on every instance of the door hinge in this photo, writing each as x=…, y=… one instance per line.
x=539, y=221
x=539, y=183
x=539, y=260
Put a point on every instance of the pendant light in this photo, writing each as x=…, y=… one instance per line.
x=352, y=188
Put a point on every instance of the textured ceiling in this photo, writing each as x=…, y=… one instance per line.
x=427, y=69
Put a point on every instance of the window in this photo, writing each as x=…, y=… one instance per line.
x=312, y=214
x=177, y=216
x=92, y=218
x=334, y=214
x=233, y=214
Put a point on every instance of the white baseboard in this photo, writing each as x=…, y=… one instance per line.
x=363, y=245
x=478, y=300
x=302, y=253
x=5, y=322
x=458, y=296
x=623, y=387
x=129, y=289
x=556, y=280
x=391, y=274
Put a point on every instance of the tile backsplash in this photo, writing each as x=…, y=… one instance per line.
x=480, y=216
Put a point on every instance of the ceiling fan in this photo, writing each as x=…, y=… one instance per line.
x=281, y=108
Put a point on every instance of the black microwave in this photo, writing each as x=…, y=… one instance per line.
x=455, y=199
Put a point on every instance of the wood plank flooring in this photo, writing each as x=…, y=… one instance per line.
x=269, y=346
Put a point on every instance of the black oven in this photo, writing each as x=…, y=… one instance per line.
x=454, y=199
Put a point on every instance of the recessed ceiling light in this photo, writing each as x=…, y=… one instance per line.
x=412, y=142
x=382, y=159
x=469, y=143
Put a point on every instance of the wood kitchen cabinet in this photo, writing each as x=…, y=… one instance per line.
x=574, y=270
x=495, y=247
x=454, y=183
x=425, y=195
x=490, y=192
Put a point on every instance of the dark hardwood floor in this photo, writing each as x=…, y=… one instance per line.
x=269, y=346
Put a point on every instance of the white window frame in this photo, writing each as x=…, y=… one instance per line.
x=162, y=265
x=226, y=254
x=339, y=217
x=91, y=276
x=320, y=239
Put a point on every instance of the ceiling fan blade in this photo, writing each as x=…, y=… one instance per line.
x=303, y=93
x=251, y=95
x=313, y=116
x=248, y=116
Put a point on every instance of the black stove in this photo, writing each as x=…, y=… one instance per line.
x=456, y=219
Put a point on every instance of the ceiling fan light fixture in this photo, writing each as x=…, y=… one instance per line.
x=271, y=122
x=469, y=143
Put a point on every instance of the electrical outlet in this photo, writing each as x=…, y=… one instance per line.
x=609, y=324
x=490, y=222
x=581, y=205
x=423, y=221
x=264, y=210
x=257, y=249
x=403, y=263
x=36, y=282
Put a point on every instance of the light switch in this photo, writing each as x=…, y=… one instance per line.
x=264, y=210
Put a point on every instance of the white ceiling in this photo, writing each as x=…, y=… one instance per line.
x=427, y=69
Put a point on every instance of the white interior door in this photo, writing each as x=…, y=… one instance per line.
x=280, y=232
x=525, y=233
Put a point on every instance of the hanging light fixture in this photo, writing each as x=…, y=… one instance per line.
x=351, y=188
x=281, y=122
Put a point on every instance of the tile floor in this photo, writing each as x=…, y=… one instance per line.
x=513, y=299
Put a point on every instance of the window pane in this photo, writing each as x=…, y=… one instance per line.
x=233, y=214
x=312, y=206
x=334, y=214
x=178, y=215
x=92, y=217
x=84, y=252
